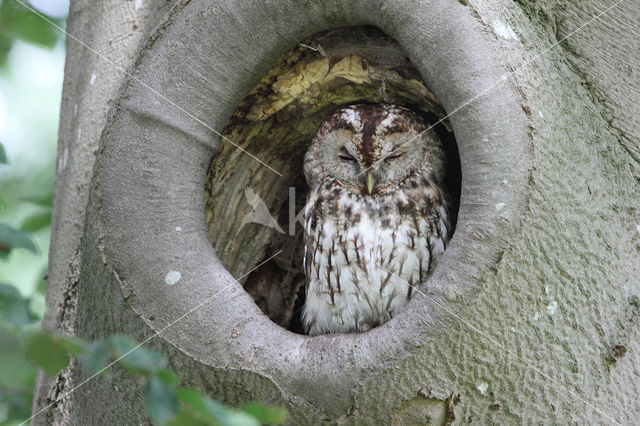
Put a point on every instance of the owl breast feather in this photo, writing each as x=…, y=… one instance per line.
x=364, y=255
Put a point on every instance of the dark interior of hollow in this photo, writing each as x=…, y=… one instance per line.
x=275, y=123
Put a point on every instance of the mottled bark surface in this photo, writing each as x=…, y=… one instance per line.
x=527, y=334
x=105, y=38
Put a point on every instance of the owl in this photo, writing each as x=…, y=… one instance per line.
x=377, y=216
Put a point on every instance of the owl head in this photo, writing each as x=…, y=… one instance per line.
x=371, y=148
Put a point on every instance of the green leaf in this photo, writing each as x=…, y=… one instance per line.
x=44, y=198
x=73, y=345
x=3, y=155
x=41, y=287
x=14, y=308
x=7, y=291
x=17, y=405
x=238, y=418
x=204, y=406
x=167, y=376
x=37, y=221
x=136, y=359
x=15, y=371
x=129, y=354
x=16, y=21
x=96, y=356
x=266, y=414
x=213, y=412
x=11, y=238
x=47, y=352
x=161, y=400
x=184, y=417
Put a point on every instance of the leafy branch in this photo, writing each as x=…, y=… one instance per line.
x=167, y=403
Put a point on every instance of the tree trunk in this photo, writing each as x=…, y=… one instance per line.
x=531, y=316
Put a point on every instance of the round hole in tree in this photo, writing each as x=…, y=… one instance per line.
x=251, y=210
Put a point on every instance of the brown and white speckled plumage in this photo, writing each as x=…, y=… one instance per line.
x=377, y=204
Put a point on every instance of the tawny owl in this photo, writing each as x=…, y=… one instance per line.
x=377, y=216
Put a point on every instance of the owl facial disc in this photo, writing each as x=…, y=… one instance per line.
x=371, y=148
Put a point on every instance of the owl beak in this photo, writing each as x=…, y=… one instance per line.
x=371, y=182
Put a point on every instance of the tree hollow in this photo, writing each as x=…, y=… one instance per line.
x=251, y=211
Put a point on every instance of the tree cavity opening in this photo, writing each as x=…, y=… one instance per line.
x=250, y=209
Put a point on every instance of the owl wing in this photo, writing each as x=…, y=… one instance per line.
x=306, y=263
x=335, y=261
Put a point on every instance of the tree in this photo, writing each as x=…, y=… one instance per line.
x=531, y=316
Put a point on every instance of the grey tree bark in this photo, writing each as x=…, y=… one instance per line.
x=524, y=320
